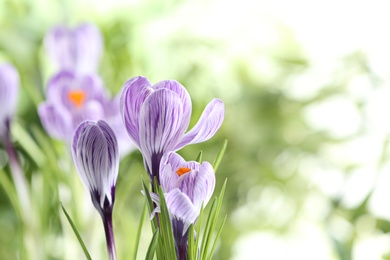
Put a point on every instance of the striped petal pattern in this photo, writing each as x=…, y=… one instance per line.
x=95, y=154
x=185, y=193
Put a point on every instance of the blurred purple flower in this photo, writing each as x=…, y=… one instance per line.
x=186, y=186
x=95, y=154
x=9, y=91
x=73, y=98
x=77, y=49
x=156, y=118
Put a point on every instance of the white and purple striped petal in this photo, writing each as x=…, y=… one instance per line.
x=95, y=153
x=133, y=96
x=9, y=91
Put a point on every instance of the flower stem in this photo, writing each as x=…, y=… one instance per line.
x=17, y=174
x=107, y=222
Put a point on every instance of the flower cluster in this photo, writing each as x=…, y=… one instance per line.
x=156, y=118
x=76, y=92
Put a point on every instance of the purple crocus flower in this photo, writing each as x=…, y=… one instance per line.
x=9, y=90
x=77, y=49
x=157, y=117
x=73, y=98
x=95, y=154
x=186, y=186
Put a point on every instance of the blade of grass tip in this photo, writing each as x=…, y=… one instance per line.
x=166, y=227
x=217, y=237
x=76, y=233
x=221, y=195
x=191, y=242
x=141, y=223
x=219, y=156
x=199, y=157
x=152, y=246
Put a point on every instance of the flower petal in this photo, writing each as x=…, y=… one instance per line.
x=133, y=95
x=76, y=49
x=160, y=126
x=56, y=121
x=198, y=184
x=62, y=83
x=176, y=87
x=9, y=90
x=181, y=206
x=88, y=47
x=95, y=152
x=168, y=177
x=208, y=124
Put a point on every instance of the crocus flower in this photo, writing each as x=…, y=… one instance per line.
x=73, y=98
x=95, y=154
x=157, y=117
x=186, y=186
x=9, y=90
x=77, y=49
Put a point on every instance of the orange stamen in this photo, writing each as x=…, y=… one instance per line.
x=182, y=170
x=77, y=97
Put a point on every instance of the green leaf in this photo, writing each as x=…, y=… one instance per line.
x=199, y=157
x=137, y=239
x=9, y=189
x=191, y=246
x=28, y=143
x=76, y=233
x=219, y=156
x=217, y=237
x=166, y=227
x=152, y=246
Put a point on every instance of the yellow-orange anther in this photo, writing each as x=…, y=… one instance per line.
x=77, y=97
x=182, y=170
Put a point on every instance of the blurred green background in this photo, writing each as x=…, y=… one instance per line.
x=306, y=89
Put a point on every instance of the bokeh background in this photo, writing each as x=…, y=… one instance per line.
x=307, y=95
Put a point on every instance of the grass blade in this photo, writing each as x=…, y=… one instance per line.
x=219, y=156
x=141, y=223
x=76, y=233
x=199, y=157
x=152, y=246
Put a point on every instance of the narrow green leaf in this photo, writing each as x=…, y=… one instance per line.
x=149, y=203
x=137, y=239
x=217, y=237
x=191, y=249
x=76, y=233
x=219, y=156
x=198, y=227
x=166, y=227
x=152, y=246
x=28, y=143
x=208, y=229
x=9, y=189
x=199, y=157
